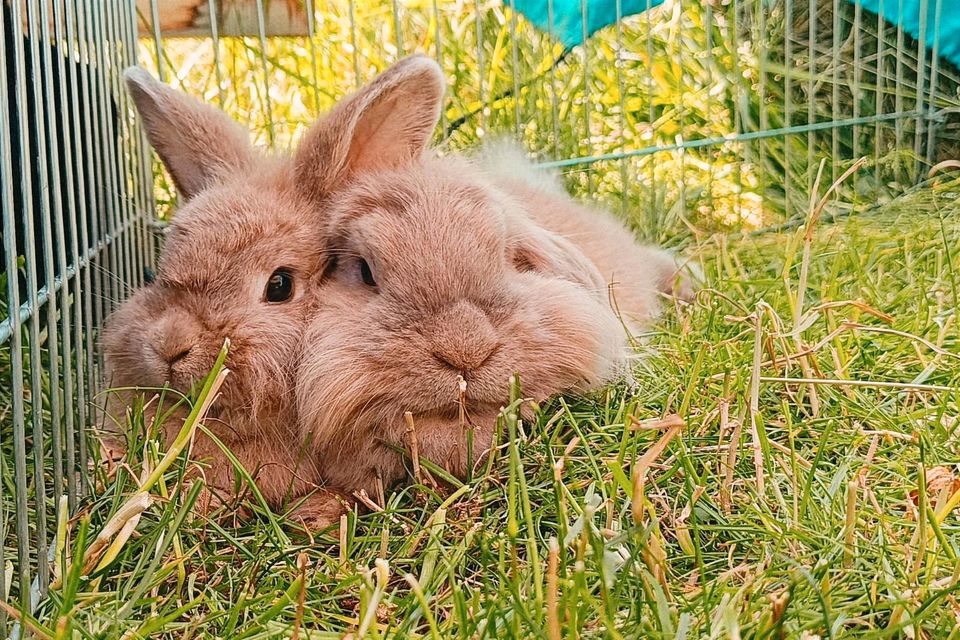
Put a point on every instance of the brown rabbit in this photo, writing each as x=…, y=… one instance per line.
x=439, y=270
x=241, y=261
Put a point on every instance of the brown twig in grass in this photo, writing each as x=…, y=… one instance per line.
x=420, y=473
x=414, y=446
x=727, y=493
x=647, y=459
x=342, y=551
x=656, y=424
x=302, y=563
x=755, y=405
x=724, y=426
x=15, y=614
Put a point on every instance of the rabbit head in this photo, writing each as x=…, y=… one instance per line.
x=434, y=276
x=240, y=258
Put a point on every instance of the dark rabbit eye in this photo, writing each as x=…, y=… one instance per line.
x=366, y=275
x=279, y=286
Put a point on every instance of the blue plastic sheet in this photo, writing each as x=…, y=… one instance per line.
x=567, y=19
x=944, y=37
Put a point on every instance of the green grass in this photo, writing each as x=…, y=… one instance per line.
x=679, y=74
x=746, y=514
x=778, y=510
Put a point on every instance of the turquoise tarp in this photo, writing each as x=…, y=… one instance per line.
x=947, y=32
x=567, y=23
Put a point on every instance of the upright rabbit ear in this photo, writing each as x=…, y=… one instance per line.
x=382, y=126
x=198, y=144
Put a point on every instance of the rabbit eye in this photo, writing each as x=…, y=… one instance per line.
x=279, y=286
x=366, y=275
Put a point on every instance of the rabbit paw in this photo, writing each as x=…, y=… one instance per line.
x=320, y=510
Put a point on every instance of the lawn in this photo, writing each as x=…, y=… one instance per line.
x=711, y=499
x=785, y=462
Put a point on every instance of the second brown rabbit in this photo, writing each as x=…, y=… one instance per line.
x=441, y=270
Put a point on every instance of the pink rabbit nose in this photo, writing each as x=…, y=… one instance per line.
x=463, y=338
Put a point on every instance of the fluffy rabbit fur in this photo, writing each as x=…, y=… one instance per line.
x=442, y=268
x=245, y=219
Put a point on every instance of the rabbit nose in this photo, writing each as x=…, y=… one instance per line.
x=173, y=339
x=464, y=339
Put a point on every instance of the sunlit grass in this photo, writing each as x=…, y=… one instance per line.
x=777, y=509
x=681, y=73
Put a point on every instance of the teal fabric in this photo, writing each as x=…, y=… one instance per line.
x=947, y=33
x=567, y=24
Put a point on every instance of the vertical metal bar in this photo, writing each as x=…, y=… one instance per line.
x=79, y=240
x=51, y=213
x=708, y=21
x=13, y=307
x=124, y=278
x=787, y=105
x=516, y=69
x=312, y=38
x=587, y=97
x=811, y=90
x=651, y=117
x=397, y=27
x=478, y=24
x=107, y=262
x=139, y=184
x=268, y=103
x=881, y=68
x=737, y=101
x=127, y=56
x=357, y=78
x=157, y=42
x=921, y=82
x=104, y=150
x=36, y=380
x=144, y=161
x=121, y=166
x=763, y=38
x=554, y=105
x=93, y=178
x=934, y=77
x=855, y=85
x=835, y=100
x=681, y=114
x=215, y=43
x=621, y=89
x=438, y=34
x=898, y=87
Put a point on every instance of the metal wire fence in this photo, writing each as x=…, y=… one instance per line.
x=75, y=192
x=698, y=116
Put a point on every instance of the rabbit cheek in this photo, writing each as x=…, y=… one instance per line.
x=565, y=340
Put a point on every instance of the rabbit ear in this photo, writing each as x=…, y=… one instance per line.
x=382, y=126
x=198, y=144
x=536, y=249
